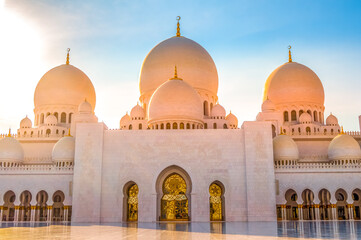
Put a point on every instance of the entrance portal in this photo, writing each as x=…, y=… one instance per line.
x=174, y=202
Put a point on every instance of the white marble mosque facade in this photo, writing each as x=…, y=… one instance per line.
x=291, y=163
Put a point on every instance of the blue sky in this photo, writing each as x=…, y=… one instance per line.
x=247, y=40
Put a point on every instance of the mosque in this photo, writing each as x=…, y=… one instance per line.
x=178, y=155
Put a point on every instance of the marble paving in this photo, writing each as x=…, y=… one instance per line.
x=179, y=231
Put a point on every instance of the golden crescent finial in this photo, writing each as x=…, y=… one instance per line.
x=175, y=72
x=178, y=28
x=289, y=53
x=67, y=56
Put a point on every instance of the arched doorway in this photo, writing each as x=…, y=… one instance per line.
x=131, y=191
x=58, y=206
x=174, y=203
x=9, y=207
x=41, y=206
x=356, y=196
x=216, y=202
x=25, y=207
x=341, y=204
x=325, y=204
x=308, y=205
x=291, y=205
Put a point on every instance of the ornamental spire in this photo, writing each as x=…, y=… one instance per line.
x=175, y=72
x=289, y=54
x=67, y=56
x=69, y=135
x=9, y=135
x=178, y=28
x=342, y=132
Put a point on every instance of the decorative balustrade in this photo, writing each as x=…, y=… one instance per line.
x=297, y=166
x=36, y=169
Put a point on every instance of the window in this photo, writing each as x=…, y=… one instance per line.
x=168, y=125
x=315, y=116
x=70, y=115
x=162, y=126
x=188, y=126
x=63, y=117
x=285, y=116
x=205, y=108
x=140, y=126
x=214, y=125
x=293, y=116
x=130, y=127
x=225, y=126
x=175, y=125
x=42, y=118
x=181, y=126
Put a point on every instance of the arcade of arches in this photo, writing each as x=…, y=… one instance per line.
x=42, y=211
x=344, y=208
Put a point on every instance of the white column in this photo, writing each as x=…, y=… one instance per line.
x=300, y=212
x=317, y=212
x=49, y=213
x=16, y=214
x=65, y=214
x=350, y=211
x=32, y=214
x=1, y=213
x=334, y=215
x=283, y=211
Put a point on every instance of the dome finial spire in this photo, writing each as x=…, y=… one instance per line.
x=289, y=54
x=67, y=56
x=69, y=135
x=9, y=135
x=175, y=71
x=178, y=28
x=342, y=132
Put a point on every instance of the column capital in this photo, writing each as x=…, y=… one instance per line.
x=299, y=205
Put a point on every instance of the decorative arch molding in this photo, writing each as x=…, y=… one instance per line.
x=173, y=169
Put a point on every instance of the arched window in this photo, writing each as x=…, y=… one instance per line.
x=225, y=126
x=285, y=116
x=41, y=212
x=205, y=108
x=175, y=125
x=291, y=205
x=205, y=126
x=193, y=126
x=58, y=206
x=214, y=125
x=130, y=127
x=168, y=125
x=181, y=126
x=320, y=117
x=56, y=115
x=315, y=116
x=215, y=202
x=308, y=130
x=273, y=131
x=48, y=132
x=188, y=126
x=70, y=115
x=211, y=107
x=63, y=117
x=42, y=118
x=140, y=126
x=293, y=116
x=162, y=126
x=300, y=113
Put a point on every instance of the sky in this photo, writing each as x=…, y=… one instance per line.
x=246, y=39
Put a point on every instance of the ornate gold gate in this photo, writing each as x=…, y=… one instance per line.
x=215, y=202
x=174, y=203
x=133, y=203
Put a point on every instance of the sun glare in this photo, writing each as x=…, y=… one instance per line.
x=21, y=56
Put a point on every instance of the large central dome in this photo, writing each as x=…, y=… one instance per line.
x=196, y=65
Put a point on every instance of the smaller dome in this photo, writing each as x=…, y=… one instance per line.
x=331, y=120
x=26, y=123
x=232, y=120
x=284, y=148
x=137, y=113
x=268, y=106
x=124, y=120
x=175, y=100
x=64, y=149
x=344, y=147
x=11, y=150
x=85, y=107
x=305, y=118
x=218, y=111
x=51, y=120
